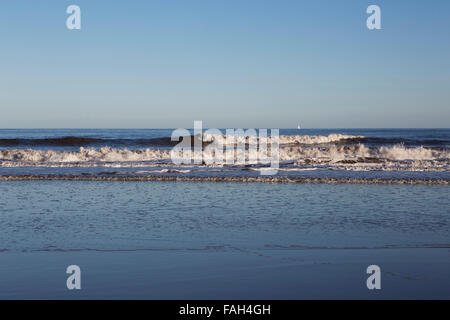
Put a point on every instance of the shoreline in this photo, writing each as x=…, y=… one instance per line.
x=241, y=179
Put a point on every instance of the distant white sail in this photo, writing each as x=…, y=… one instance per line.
x=299, y=127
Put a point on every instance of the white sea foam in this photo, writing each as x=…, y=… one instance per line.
x=285, y=140
x=105, y=154
x=358, y=151
x=164, y=171
x=354, y=157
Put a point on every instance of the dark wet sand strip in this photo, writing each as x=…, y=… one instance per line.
x=259, y=179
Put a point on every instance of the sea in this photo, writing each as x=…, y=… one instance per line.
x=139, y=226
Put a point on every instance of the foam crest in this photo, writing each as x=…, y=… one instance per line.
x=104, y=154
x=342, y=156
x=285, y=140
x=358, y=151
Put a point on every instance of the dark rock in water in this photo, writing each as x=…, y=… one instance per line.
x=348, y=161
x=361, y=160
x=371, y=160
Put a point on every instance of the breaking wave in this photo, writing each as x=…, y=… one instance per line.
x=354, y=156
x=297, y=153
x=85, y=141
x=334, y=138
x=163, y=141
x=105, y=154
x=361, y=151
x=223, y=139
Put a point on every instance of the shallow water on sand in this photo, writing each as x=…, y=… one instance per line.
x=158, y=239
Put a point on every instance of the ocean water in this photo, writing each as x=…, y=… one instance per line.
x=92, y=198
x=330, y=155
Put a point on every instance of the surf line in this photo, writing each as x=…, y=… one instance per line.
x=235, y=147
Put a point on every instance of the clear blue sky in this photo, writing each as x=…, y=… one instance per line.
x=233, y=63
